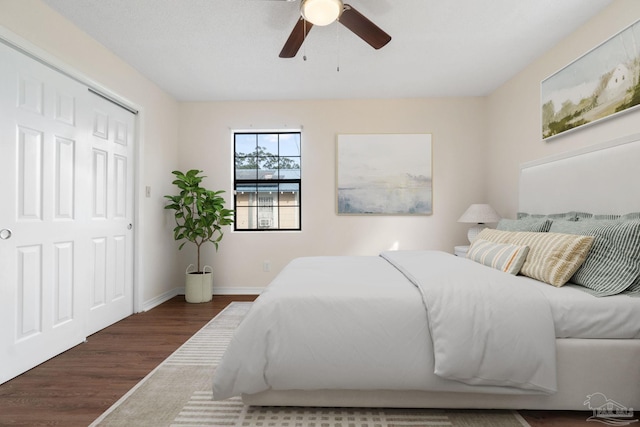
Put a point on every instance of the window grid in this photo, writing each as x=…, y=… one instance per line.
x=267, y=181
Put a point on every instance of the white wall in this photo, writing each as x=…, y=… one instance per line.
x=514, y=121
x=33, y=21
x=478, y=144
x=204, y=142
x=458, y=130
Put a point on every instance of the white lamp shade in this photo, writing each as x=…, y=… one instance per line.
x=321, y=12
x=479, y=214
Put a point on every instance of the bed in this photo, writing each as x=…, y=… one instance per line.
x=427, y=329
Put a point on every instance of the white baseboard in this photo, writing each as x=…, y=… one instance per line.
x=148, y=305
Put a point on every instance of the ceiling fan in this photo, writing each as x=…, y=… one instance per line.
x=324, y=12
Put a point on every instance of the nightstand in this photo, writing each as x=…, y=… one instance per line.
x=461, y=251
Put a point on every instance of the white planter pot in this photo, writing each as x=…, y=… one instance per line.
x=198, y=286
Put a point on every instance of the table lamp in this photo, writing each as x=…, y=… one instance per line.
x=478, y=214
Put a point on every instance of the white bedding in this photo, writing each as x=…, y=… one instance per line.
x=357, y=323
x=482, y=331
x=578, y=314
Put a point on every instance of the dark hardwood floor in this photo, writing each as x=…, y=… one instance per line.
x=75, y=387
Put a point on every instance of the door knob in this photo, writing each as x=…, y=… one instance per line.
x=129, y=227
x=5, y=234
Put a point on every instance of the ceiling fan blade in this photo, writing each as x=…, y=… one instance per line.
x=363, y=27
x=296, y=38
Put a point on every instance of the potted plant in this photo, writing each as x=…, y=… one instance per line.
x=200, y=215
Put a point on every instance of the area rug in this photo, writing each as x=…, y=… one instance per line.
x=178, y=393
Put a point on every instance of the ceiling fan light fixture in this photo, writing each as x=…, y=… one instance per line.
x=321, y=12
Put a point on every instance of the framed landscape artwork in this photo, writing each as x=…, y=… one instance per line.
x=600, y=84
x=384, y=174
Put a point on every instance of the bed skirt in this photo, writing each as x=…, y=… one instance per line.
x=585, y=366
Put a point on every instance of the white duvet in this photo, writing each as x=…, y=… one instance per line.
x=406, y=320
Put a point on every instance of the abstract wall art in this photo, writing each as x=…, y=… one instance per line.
x=384, y=174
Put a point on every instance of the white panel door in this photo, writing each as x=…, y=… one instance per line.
x=111, y=214
x=53, y=247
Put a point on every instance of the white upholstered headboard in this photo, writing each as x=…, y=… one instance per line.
x=600, y=179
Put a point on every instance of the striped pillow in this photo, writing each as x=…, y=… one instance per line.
x=552, y=258
x=567, y=216
x=581, y=227
x=524, y=224
x=613, y=265
x=501, y=256
x=626, y=217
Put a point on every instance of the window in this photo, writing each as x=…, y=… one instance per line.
x=267, y=181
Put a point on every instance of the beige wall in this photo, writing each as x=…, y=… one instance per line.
x=478, y=144
x=514, y=121
x=458, y=130
x=52, y=35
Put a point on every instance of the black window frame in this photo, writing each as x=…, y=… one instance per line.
x=277, y=180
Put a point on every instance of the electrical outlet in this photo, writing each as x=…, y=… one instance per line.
x=147, y=191
x=266, y=266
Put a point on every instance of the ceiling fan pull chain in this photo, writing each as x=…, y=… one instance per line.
x=338, y=43
x=304, y=39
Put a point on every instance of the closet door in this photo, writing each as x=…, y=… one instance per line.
x=111, y=214
x=62, y=262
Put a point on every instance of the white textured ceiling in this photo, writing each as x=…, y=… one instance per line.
x=204, y=50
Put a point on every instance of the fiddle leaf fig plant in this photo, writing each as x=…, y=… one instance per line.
x=199, y=213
